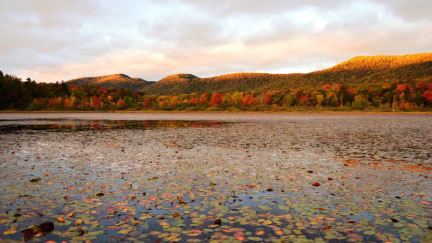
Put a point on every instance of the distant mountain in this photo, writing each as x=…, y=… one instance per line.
x=113, y=81
x=355, y=71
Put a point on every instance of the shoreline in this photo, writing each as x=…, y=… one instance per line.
x=216, y=112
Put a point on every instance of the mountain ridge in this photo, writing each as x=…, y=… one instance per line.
x=357, y=70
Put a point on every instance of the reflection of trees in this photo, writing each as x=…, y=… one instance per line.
x=101, y=125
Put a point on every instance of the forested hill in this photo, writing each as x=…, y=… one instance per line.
x=112, y=81
x=381, y=62
x=356, y=71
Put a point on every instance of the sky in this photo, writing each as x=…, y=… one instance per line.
x=51, y=40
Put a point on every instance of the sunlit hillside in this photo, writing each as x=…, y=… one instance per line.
x=381, y=62
x=178, y=78
x=112, y=81
x=358, y=70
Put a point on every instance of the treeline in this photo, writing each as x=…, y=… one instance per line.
x=30, y=95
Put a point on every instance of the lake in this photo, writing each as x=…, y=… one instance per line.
x=192, y=177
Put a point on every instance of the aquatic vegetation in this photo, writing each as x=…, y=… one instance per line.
x=322, y=178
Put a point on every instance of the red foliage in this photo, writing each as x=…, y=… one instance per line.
x=421, y=86
x=55, y=102
x=304, y=100
x=194, y=100
x=216, y=99
x=326, y=86
x=428, y=95
x=96, y=102
x=401, y=87
x=147, y=103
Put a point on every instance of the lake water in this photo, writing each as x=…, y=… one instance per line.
x=224, y=177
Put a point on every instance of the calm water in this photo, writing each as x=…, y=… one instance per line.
x=223, y=177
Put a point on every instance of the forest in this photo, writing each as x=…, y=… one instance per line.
x=16, y=94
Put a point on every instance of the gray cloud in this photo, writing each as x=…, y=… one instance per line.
x=412, y=10
x=258, y=7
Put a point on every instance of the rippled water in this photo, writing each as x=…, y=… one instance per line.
x=223, y=177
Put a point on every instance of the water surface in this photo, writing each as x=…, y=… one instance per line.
x=223, y=177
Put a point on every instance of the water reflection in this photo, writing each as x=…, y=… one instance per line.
x=102, y=125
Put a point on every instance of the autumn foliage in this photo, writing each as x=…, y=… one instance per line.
x=29, y=95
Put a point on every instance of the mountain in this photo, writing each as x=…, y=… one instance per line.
x=113, y=81
x=355, y=71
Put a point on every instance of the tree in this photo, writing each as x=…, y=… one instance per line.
x=216, y=99
x=303, y=100
x=331, y=99
x=227, y=100
x=248, y=100
x=401, y=88
x=360, y=103
x=194, y=100
x=121, y=103
x=96, y=102
x=428, y=96
x=288, y=100
x=203, y=98
x=268, y=98
x=237, y=98
x=320, y=99
x=147, y=103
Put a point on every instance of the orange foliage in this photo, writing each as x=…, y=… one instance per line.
x=203, y=98
x=248, y=100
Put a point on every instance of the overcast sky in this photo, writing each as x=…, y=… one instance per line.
x=50, y=40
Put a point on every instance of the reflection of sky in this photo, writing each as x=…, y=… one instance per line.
x=52, y=40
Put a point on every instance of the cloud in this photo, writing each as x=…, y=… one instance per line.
x=51, y=40
x=412, y=10
x=259, y=7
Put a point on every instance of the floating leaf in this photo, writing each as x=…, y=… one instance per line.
x=10, y=232
x=195, y=233
x=35, y=179
x=218, y=221
x=46, y=227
